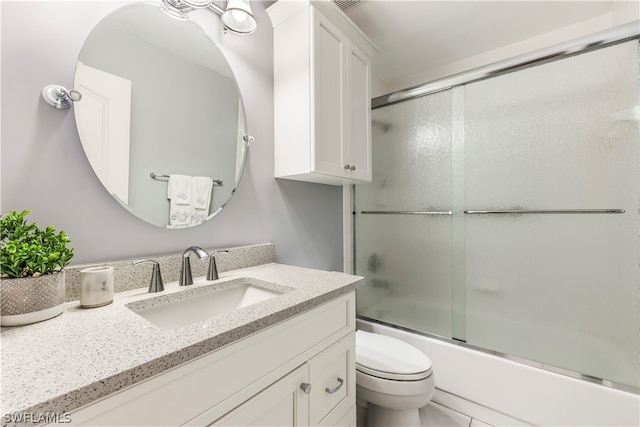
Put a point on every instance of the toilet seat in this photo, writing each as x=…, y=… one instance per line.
x=390, y=358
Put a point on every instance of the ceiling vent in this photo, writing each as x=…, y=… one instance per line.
x=346, y=5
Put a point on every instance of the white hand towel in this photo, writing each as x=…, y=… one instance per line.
x=201, y=192
x=201, y=195
x=179, y=192
x=179, y=189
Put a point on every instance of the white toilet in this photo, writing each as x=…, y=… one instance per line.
x=394, y=379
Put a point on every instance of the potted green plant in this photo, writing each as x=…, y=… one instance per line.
x=32, y=262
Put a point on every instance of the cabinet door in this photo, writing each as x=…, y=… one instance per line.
x=329, y=75
x=281, y=404
x=358, y=141
x=332, y=374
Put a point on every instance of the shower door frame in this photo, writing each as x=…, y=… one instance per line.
x=598, y=40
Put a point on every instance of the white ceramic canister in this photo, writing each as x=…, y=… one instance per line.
x=96, y=286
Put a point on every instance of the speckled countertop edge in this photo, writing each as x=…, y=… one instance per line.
x=82, y=355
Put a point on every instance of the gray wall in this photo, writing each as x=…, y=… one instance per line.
x=45, y=169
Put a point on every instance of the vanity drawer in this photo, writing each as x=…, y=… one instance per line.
x=333, y=376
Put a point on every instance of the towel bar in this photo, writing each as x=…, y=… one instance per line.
x=163, y=177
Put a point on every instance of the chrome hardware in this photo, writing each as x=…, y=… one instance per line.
x=547, y=211
x=159, y=177
x=248, y=139
x=59, y=97
x=406, y=212
x=212, y=273
x=185, y=272
x=336, y=388
x=306, y=387
x=156, y=284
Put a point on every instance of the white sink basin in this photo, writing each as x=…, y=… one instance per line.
x=201, y=303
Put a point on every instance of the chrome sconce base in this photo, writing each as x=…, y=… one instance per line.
x=59, y=97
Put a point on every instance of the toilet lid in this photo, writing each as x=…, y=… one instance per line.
x=389, y=357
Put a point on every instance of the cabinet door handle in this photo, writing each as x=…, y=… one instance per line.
x=352, y=168
x=306, y=387
x=336, y=388
x=347, y=166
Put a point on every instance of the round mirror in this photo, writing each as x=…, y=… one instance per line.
x=161, y=118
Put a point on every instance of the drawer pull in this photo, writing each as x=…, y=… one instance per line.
x=336, y=388
x=306, y=387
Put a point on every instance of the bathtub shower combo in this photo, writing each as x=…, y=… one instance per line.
x=503, y=217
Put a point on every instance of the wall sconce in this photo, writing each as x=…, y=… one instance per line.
x=59, y=97
x=236, y=17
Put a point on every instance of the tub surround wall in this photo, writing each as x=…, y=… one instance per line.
x=127, y=276
x=44, y=167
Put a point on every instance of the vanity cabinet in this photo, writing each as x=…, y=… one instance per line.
x=322, y=80
x=300, y=372
x=316, y=393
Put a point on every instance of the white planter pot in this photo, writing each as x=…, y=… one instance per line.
x=31, y=299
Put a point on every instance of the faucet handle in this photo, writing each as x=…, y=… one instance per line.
x=212, y=273
x=156, y=284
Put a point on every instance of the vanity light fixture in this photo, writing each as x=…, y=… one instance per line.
x=237, y=17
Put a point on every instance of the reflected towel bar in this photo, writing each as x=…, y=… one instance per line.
x=547, y=211
x=406, y=212
x=163, y=177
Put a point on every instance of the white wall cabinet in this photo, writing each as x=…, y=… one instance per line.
x=255, y=381
x=322, y=80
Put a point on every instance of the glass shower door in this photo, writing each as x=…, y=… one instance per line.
x=551, y=213
x=403, y=218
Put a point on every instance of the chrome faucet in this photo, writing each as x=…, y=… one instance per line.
x=212, y=274
x=185, y=271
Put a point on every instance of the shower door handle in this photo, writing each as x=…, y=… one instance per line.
x=406, y=212
x=545, y=211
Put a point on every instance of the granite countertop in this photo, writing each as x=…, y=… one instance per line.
x=61, y=364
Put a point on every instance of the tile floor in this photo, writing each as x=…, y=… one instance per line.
x=434, y=415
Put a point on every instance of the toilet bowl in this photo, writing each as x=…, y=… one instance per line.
x=394, y=379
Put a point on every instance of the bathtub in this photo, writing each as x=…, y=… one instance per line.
x=500, y=391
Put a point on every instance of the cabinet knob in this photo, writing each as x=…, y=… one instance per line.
x=353, y=167
x=306, y=387
x=336, y=388
x=347, y=166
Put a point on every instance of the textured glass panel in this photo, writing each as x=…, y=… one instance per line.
x=411, y=156
x=406, y=259
x=558, y=135
x=558, y=289
x=406, y=262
